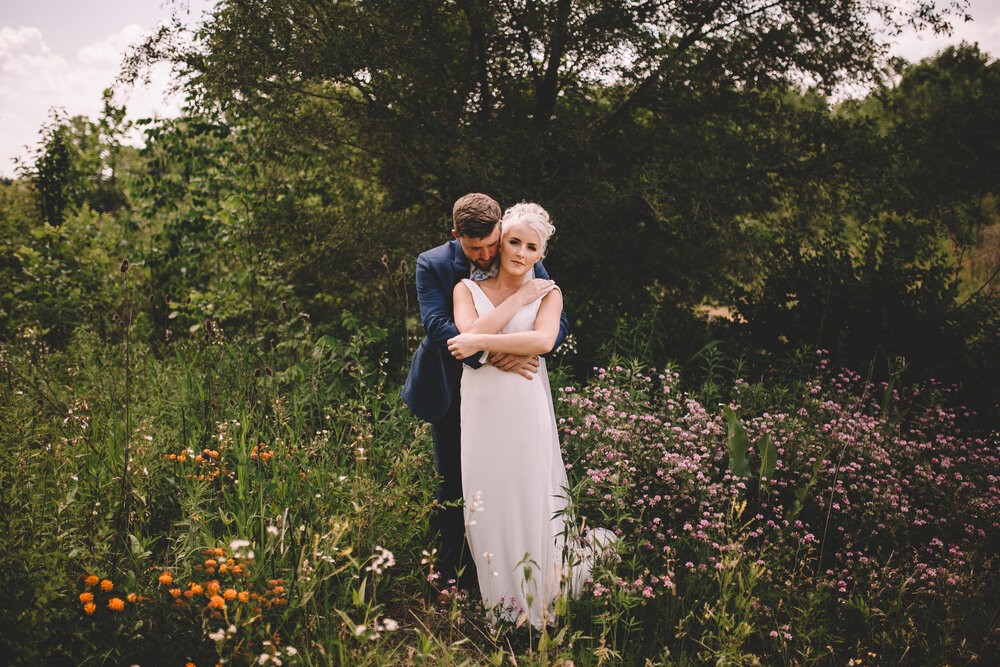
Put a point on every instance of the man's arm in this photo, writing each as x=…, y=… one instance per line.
x=434, y=299
x=525, y=365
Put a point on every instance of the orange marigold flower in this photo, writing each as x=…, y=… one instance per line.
x=176, y=592
x=189, y=664
x=222, y=568
x=214, y=453
x=199, y=458
x=188, y=594
x=92, y=580
x=197, y=589
x=89, y=608
x=166, y=579
x=243, y=596
x=106, y=585
x=219, y=551
x=116, y=604
x=212, y=587
x=217, y=602
x=229, y=593
x=131, y=597
x=211, y=562
x=278, y=590
x=86, y=597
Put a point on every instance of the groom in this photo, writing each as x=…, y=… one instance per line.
x=432, y=386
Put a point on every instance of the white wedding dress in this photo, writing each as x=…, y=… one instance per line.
x=514, y=483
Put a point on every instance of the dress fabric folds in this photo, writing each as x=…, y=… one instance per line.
x=514, y=483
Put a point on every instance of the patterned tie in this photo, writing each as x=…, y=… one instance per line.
x=478, y=274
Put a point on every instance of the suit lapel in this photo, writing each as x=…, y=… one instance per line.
x=458, y=259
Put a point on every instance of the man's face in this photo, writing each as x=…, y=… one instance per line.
x=480, y=251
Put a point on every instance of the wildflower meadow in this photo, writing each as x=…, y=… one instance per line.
x=218, y=505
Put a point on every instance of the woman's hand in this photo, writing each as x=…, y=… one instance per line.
x=533, y=290
x=464, y=345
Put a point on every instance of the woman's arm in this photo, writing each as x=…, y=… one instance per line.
x=469, y=321
x=563, y=320
x=538, y=341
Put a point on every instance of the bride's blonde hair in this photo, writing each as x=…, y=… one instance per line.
x=532, y=215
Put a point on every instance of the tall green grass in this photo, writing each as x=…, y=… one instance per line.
x=249, y=503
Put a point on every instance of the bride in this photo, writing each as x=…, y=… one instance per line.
x=513, y=475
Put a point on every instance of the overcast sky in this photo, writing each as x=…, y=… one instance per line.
x=64, y=53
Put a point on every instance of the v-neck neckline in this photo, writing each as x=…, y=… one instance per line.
x=483, y=292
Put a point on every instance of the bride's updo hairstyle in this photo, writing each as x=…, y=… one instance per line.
x=529, y=214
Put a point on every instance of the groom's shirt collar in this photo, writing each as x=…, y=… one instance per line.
x=463, y=264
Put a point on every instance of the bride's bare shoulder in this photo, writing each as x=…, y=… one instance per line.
x=489, y=285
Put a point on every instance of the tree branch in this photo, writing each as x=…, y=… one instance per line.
x=525, y=35
x=478, y=56
x=640, y=90
x=547, y=87
x=981, y=287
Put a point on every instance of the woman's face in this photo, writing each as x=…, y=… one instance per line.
x=520, y=248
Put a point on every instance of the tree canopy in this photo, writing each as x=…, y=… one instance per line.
x=648, y=128
x=687, y=152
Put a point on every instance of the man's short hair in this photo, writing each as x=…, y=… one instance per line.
x=475, y=215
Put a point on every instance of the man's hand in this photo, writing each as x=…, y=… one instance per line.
x=534, y=289
x=524, y=364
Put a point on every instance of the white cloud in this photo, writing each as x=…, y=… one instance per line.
x=26, y=41
x=108, y=52
x=34, y=80
x=914, y=46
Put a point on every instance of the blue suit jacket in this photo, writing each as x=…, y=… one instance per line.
x=433, y=381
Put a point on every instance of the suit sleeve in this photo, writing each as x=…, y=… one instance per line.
x=540, y=272
x=436, y=314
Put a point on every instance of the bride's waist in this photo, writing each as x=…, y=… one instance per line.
x=496, y=374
